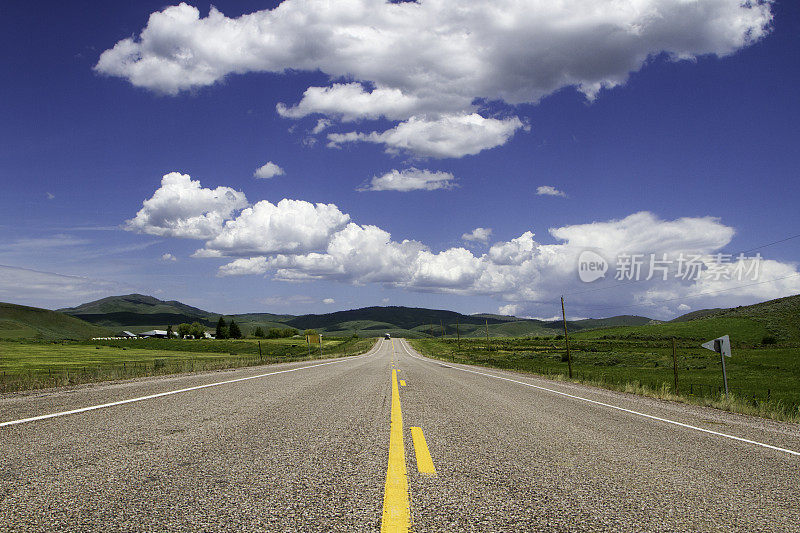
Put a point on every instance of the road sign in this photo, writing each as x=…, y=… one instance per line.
x=314, y=339
x=721, y=345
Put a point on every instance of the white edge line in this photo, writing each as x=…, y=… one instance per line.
x=168, y=393
x=792, y=452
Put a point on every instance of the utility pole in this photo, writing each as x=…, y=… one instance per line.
x=566, y=338
x=675, y=364
x=441, y=323
x=487, y=335
x=458, y=336
x=260, y=357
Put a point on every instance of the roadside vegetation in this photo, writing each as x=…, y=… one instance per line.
x=33, y=364
x=763, y=377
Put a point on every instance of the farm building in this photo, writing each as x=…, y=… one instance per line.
x=156, y=333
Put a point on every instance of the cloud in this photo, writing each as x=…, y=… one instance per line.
x=547, y=190
x=182, y=208
x=509, y=310
x=297, y=241
x=168, y=258
x=289, y=300
x=410, y=179
x=269, y=170
x=50, y=196
x=322, y=125
x=505, y=50
x=328, y=301
x=478, y=234
x=350, y=102
x=290, y=226
x=445, y=136
x=51, y=290
x=411, y=60
x=37, y=244
x=683, y=307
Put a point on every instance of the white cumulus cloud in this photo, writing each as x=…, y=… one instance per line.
x=478, y=234
x=509, y=310
x=404, y=60
x=168, y=258
x=298, y=241
x=328, y=301
x=441, y=137
x=548, y=190
x=410, y=179
x=182, y=208
x=268, y=170
x=290, y=226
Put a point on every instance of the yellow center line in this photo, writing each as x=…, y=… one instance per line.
x=402, y=383
x=396, y=513
x=424, y=461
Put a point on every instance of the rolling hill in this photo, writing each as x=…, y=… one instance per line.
x=778, y=320
x=21, y=322
x=750, y=324
x=138, y=310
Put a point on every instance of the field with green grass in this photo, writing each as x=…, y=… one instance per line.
x=31, y=364
x=763, y=380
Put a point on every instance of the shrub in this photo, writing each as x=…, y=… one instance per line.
x=769, y=339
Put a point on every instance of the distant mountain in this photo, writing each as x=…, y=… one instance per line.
x=139, y=310
x=399, y=317
x=22, y=322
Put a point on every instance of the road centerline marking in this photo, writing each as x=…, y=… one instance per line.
x=177, y=391
x=424, y=461
x=630, y=411
x=402, y=383
x=396, y=511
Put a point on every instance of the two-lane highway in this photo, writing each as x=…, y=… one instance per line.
x=330, y=447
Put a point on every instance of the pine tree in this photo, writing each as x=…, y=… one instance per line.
x=234, y=331
x=222, y=329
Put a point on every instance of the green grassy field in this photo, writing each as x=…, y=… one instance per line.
x=762, y=380
x=31, y=364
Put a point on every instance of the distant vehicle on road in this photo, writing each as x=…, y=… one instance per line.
x=387, y=336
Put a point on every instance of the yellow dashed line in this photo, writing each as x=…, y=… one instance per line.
x=396, y=513
x=402, y=383
x=424, y=461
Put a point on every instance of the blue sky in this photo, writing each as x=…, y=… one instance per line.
x=695, y=155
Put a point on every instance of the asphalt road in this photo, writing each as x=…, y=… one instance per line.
x=308, y=450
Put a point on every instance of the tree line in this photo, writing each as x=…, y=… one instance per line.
x=225, y=330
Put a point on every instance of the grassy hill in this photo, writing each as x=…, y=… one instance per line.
x=138, y=310
x=778, y=320
x=21, y=322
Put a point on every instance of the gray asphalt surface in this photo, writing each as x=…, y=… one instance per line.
x=307, y=451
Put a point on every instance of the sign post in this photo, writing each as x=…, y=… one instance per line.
x=722, y=346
